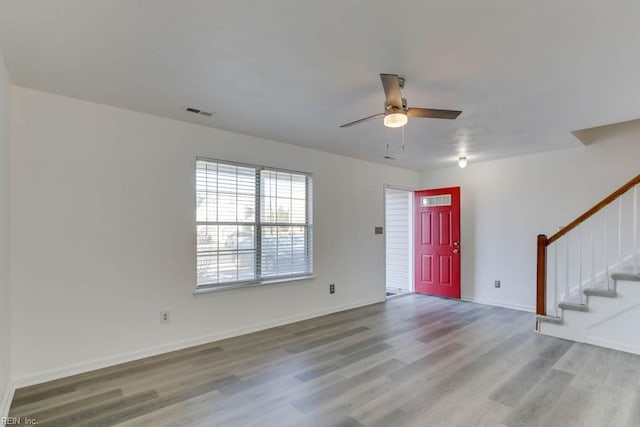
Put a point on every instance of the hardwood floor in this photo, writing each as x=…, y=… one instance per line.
x=412, y=361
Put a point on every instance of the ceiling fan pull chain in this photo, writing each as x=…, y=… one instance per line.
x=402, y=138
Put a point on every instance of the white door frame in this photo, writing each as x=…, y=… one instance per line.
x=411, y=237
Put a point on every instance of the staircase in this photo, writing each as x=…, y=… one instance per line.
x=588, y=274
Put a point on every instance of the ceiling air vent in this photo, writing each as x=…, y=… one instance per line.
x=202, y=113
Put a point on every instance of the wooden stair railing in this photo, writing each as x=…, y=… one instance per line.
x=544, y=242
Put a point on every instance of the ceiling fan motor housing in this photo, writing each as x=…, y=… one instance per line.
x=390, y=108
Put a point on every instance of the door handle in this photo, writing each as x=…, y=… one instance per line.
x=456, y=251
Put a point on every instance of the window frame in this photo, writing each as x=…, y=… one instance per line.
x=259, y=224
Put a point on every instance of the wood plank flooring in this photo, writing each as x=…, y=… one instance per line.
x=412, y=361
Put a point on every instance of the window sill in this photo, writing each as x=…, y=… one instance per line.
x=252, y=284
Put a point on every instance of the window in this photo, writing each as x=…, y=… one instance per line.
x=254, y=224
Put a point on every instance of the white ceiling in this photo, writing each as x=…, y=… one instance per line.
x=525, y=73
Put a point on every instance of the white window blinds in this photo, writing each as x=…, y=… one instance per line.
x=253, y=224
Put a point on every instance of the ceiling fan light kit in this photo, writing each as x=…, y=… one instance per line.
x=395, y=120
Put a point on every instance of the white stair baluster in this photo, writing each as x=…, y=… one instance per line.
x=634, y=258
x=555, y=276
x=566, y=281
x=604, y=241
x=620, y=260
x=593, y=254
x=580, y=264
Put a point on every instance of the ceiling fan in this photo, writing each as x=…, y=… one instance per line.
x=396, y=112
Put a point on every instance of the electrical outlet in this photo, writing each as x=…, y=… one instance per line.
x=165, y=316
x=496, y=283
x=332, y=288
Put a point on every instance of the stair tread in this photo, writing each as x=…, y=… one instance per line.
x=600, y=292
x=626, y=276
x=573, y=306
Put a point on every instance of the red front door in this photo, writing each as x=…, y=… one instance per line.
x=437, y=241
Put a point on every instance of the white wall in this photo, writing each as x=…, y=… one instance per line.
x=5, y=288
x=104, y=235
x=507, y=203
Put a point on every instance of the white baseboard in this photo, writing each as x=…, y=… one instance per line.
x=530, y=309
x=5, y=403
x=615, y=345
x=559, y=332
x=79, y=368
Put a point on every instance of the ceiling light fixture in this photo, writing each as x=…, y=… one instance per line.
x=462, y=162
x=395, y=120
